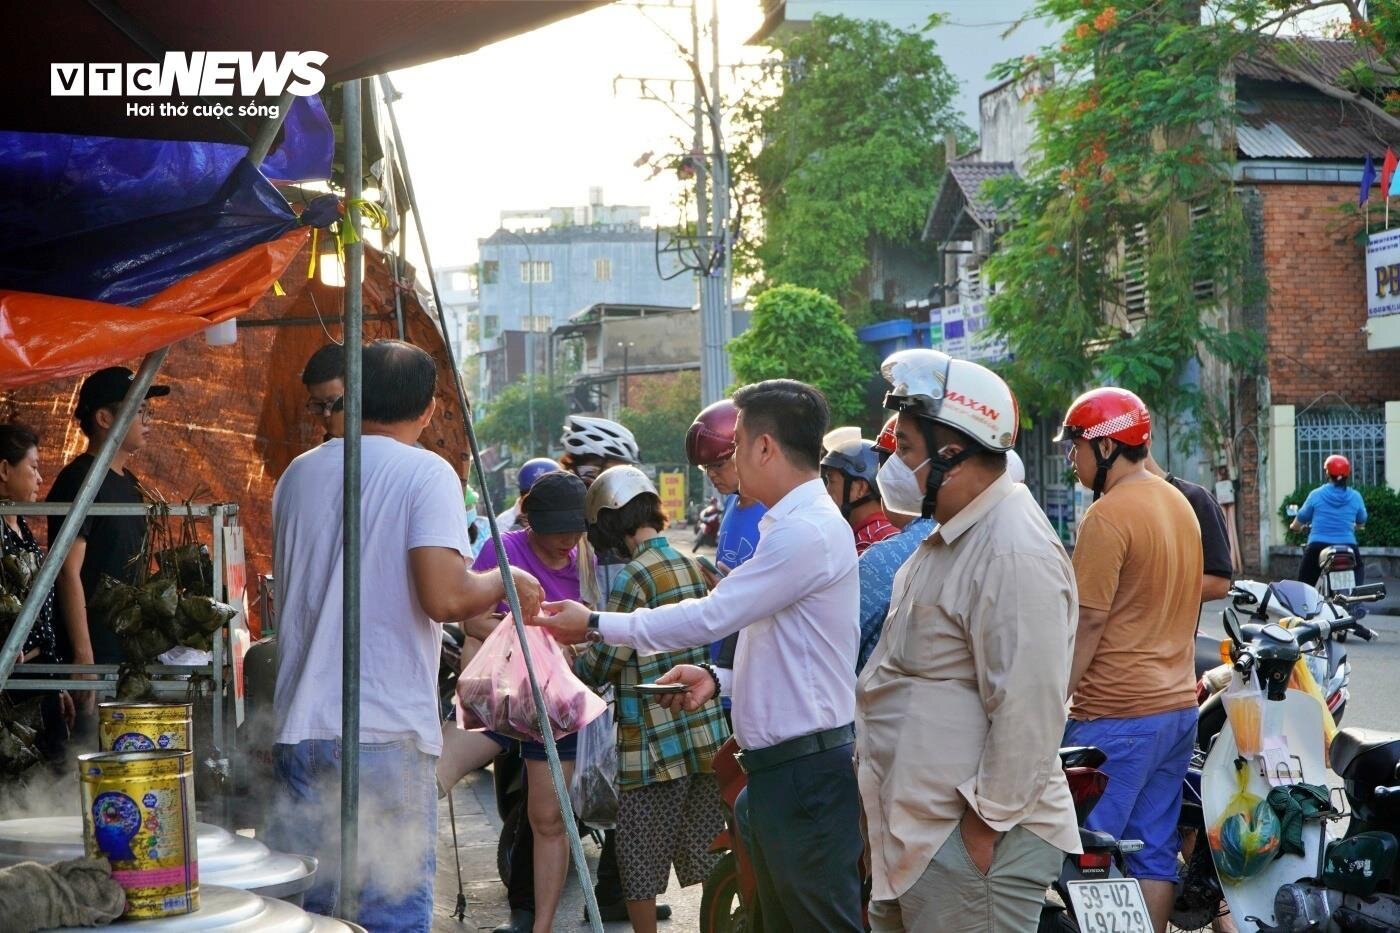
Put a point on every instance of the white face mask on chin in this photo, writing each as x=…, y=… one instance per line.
x=899, y=487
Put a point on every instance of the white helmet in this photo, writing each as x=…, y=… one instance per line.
x=613, y=489
x=959, y=393
x=585, y=435
x=1015, y=467
x=837, y=438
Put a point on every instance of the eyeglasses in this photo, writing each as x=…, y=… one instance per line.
x=587, y=471
x=714, y=467
x=323, y=409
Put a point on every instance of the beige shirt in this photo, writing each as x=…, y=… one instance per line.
x=962, y=703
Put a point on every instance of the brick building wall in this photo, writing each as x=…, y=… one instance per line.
x=1313, y=315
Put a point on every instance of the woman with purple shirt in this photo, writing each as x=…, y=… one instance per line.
x=548, y=550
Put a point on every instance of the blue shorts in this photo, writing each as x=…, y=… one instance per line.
x=534, y=751
x=1147, y=762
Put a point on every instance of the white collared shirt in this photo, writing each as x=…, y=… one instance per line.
x=797, y=602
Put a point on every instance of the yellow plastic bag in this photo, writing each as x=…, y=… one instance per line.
x=1302, y=679
x=1246, y=836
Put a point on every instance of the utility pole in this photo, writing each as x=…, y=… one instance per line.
x=697, y=150
x=716, y=315
x=711, y=259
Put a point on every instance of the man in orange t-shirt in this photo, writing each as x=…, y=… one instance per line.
x=1137, y=564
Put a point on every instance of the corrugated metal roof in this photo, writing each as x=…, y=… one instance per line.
x=1317, y=128
x=1323, y=59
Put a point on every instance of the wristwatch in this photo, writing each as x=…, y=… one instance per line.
x=593, y=634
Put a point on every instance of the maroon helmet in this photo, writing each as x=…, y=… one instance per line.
x=711, y=436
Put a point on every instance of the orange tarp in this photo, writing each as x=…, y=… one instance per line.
x=235, y=416
x=44, y=337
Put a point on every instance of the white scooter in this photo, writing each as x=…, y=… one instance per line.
x=1287, y=746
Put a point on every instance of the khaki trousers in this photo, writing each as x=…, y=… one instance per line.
x=952, y=896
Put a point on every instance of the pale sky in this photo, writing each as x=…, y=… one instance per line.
x=532, y=122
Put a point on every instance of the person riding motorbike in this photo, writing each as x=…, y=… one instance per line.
x=848, y=470
x=1332, y=514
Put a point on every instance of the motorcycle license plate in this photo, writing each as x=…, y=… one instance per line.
x=1114, y=905
x=1340, y=581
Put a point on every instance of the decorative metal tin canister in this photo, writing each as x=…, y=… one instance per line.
x=144, y=727
x=138, y=812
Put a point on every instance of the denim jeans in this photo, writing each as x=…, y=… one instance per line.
x=397, y=824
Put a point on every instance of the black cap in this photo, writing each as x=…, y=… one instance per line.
x=555, y=503
x=108, y=387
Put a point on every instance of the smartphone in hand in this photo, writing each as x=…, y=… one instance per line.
x=657, y=689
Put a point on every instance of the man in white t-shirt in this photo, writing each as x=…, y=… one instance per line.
x=414, y=554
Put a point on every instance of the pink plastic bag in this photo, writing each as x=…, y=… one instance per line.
x=494, y=693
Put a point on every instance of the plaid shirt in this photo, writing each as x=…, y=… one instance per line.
x=654, y=745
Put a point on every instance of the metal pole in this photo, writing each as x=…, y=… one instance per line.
x=400, y=268
x=262, y=143
x=348, y=907
x=702, y=198
x=87, y=492
x=556, y=773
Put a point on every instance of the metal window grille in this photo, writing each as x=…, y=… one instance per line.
x=1357, y=434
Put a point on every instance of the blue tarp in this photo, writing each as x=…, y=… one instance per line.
x=117, y=220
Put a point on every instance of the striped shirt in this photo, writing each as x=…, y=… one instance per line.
x=654, y=744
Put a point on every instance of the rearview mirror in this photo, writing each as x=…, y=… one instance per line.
x=1232, y=626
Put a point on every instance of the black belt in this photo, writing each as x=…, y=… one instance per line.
x=765, y=759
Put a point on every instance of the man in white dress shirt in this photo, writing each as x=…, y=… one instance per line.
x=795, y=604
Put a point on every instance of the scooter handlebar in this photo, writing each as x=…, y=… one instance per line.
x=1362, y=632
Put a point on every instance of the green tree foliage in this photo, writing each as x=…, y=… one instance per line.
x=506, y=420
x=658, y=415
x=846, y=149
x=1127, y=152
x=1382, y=515
x=799, y=333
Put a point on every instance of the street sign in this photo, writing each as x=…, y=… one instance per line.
x=961, y=331
x=671, y=486
x=1383, y=290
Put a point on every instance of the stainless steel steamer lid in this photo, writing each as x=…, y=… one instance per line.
x=229, y=910
x=225, y=858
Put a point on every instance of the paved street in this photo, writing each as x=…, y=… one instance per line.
x=478, y=827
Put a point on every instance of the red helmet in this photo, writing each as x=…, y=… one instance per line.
x=711, y=436
x=1337, y=467
x=1108, y=412
x=885, y=441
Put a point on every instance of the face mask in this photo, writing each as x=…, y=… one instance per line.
x=899, y=487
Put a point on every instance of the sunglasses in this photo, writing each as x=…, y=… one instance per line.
x=323, y=409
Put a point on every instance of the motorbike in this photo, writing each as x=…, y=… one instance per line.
x=1199, y=897
x=1265, y=602
x=1092, y=892
x=1340, y=572
x=707, y=525
x=1092, y=882
x=1337, y=884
